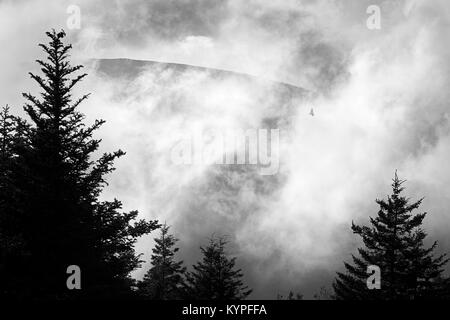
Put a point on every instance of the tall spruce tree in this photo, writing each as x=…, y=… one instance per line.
x=164, y=280
x=13, y=251
x=65, y=223
x=215, y=277
x=7, y=132
x=10, y=242
x=394, y=243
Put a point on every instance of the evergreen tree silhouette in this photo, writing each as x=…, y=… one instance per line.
x=394, y=243
x=164, y=280
x=215, y=277
x=7, y=155
x=65, y=223
x=13, y=252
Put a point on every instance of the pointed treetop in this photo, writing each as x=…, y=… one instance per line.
x=397, y=184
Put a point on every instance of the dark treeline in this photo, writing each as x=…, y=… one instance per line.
x=51, y=219
x=215, y=277
x=52, y=223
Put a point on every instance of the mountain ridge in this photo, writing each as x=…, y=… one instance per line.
x=115, y=67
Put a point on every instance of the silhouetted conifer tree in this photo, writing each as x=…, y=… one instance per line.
x=13, y=252
x=215, y=277
x=7, y=156
x=65, y=223
x=394, y=243
x=164, y=280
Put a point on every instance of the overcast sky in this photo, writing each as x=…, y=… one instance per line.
x=381, y=102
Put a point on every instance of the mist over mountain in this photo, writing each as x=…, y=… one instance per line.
x=282, y=96
x=380, y=99
x=198, y=201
